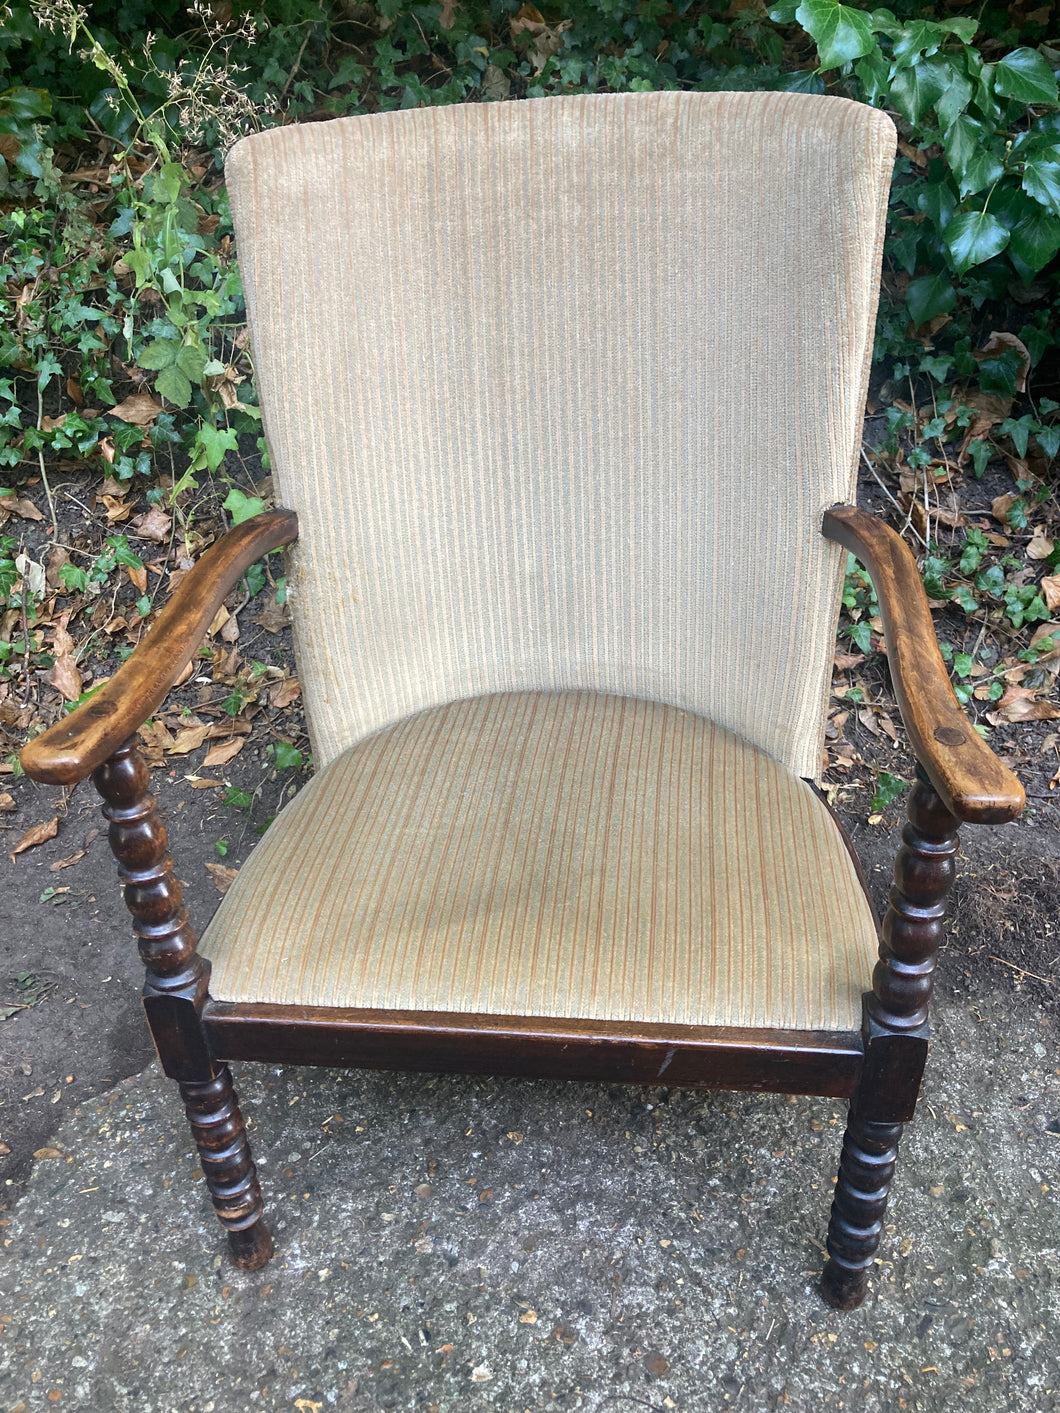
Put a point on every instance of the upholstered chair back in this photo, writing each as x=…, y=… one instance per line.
x=559, y=390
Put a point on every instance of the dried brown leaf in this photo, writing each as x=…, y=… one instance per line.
x=273, y=617
x=62, y=643
x=49, y=1153
x=57, y=557
x=285, y=692
x=845, y=661
x=137, y=577
x=39, y=834
x=155, y=525
x=7, y=803
x=140, y=410
x=65, y=677
x=69, y=861
x=188, y=740
x=23, y=508
x=116, y=508
x=1040, y=547
x=1024, y=710
x=220, y=618
x=224, y=751
x=223, y=877
x=1000, y=507
x=203, y=782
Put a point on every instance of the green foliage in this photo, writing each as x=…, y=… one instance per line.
x=242, y=507
x=285, y=756
x=888, y=788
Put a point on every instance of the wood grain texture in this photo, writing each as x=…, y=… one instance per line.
x=82, y=741
x=618, y=1052
x=971, y=781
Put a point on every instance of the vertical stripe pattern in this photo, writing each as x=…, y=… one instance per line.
x=553, y=854
x=559, y=390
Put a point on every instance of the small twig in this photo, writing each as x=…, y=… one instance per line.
x=40, y=462
x=887, y=492
x=1049, y=980
x=297, y=66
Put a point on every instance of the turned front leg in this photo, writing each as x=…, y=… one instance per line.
x=175, y=991
x=896, y=1036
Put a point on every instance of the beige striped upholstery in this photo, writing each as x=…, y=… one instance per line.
x=559, y=390
x=553, y=854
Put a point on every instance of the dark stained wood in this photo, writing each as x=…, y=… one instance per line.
x=924, y=871
x=969, y=778
x=866, y=1168
x=76, y=745
x=698, y=1057
x=896, y=1042
x=175, y=990
x=220, y=1135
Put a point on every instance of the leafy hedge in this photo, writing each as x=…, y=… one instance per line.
x=111, y=286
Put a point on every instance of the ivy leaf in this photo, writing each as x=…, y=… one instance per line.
x=191, y=360
x=840, y=32
x=286, y=757
x=1041, y=178
x=1025, y=76
x=1048, y=439
x=916, y=38
x=983, y=170
x=973, y=237
x=1035, y=240
x=914, y=90
x=173, y=386
x=937, y=201
x=953, y=102
x=159, y=354
x=242, y=507
x=888, y=788
x=930, y=295
x=961, y=143
x=215, y=441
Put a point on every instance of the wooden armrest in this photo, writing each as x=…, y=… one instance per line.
x=75, y=746
x=967, y=775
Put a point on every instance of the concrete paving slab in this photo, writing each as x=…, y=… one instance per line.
x=456, y=1243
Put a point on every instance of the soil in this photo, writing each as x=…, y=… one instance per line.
x=66, y=934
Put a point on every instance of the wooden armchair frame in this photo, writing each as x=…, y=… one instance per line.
x=878, y=1069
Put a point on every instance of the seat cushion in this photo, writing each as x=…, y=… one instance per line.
x=559, y=854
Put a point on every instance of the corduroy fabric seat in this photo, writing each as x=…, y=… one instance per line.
x=556, y=854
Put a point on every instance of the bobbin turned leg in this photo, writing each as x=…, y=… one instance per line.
x=175, y=990
x=896, y=1039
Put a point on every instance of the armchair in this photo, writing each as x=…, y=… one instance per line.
x=563, y=394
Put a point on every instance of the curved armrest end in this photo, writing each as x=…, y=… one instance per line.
x=968, y=777
x=76, y=745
